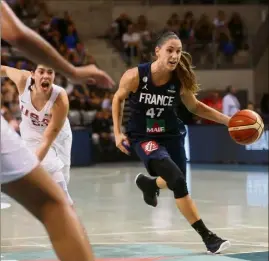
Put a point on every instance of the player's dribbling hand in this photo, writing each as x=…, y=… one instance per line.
x=122, y=143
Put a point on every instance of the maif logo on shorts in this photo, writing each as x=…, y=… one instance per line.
x=149, y=146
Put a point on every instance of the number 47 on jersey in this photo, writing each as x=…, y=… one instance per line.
x=154, y=112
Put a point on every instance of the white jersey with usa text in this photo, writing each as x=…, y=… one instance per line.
x=33, y=124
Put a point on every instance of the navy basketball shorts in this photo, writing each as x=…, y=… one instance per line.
x=160, y=148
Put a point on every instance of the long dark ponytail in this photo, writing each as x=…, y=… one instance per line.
x=32, y=80
x=186, y=74
x=31, y=84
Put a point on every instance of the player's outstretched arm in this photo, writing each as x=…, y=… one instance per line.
x=41, y=52
x=201, y=109
x=59, y=114
x=128, y=83
x=40, y=195
x=19, y=77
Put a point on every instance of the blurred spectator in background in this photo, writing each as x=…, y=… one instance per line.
x=131, y=41
x=218, y=43
x=81, y=54
x=251, y=106
x=142, y=25
x=226, y=48
x=118, y=28
x=9, y=103
x=204, y=30
x=145, y=47
x=186, y=32
x=201, y=47
x=71, y=39
x=214, y=101
x=107, y=101
x=96, y=100
x=173, y=24
x=236, y=29
x=265, y=104
x=79, y=98
x=220, y=21
x=102, y=131
x=122, y=23
x=67, y=19
x=230, y=103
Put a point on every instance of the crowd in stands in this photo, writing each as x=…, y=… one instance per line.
x=89, y=106
x=221, y=41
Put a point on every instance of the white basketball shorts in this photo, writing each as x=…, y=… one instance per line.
x=16, y=159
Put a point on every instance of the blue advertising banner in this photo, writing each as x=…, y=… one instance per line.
x=212, y=144
x=81, y=154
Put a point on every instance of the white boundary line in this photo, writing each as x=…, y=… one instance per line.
x=239, y=227
x=249, y=244
x=249, y=252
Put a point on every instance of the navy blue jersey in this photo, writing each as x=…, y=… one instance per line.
x=153, y=108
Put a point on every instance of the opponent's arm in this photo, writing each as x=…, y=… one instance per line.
x=19, y=77
x=128, y=83
x=41, y=52
x=202, y=110
x=59, y=115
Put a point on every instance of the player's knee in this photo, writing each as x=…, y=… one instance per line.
x=173, y=176
x=179, y=186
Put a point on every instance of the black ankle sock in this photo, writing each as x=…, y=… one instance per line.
x=201, y=229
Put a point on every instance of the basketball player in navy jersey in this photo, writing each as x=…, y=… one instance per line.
x=156, y=134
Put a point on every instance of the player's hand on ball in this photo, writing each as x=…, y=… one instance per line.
x=122, y=143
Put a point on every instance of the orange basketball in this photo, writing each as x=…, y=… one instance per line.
x=245, y=127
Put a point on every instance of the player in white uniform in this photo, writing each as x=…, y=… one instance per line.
x=18, y=163
x=23, y=179
x=44, y=127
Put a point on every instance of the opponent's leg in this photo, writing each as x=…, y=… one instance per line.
x=23, y=179
x=38, y=193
